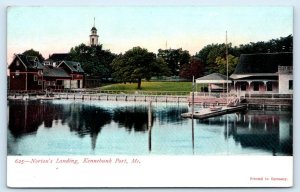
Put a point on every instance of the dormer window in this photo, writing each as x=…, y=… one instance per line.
x=17, y=63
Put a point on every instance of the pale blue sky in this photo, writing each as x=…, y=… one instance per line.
x=57, y=29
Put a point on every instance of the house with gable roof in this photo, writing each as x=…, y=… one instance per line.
x=27, y=73
x=76, y=73
x=264, y=73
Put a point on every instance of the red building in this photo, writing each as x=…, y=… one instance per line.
x=27, y=73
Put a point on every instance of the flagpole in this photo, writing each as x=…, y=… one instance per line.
x=227, y=67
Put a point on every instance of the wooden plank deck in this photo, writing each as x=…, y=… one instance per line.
x=207, y=113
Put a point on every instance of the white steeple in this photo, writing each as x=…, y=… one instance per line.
x=94, y=36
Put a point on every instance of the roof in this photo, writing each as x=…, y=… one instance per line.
x=263, y=62
x=257, y=77
x=73, y=66
x=94, y=28
x=55, y=72
x=31, y=62
x=213, y=78
x=59, y=56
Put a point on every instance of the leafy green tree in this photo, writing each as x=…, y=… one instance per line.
x=222, y=64
x=137, y=64
x=32, y=52
x=174, y=58
x=95, y=61
x=209, y=54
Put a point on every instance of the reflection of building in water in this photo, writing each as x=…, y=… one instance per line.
x=25, y=117
x=257, y=129
x=265, y=131
x=94, y=118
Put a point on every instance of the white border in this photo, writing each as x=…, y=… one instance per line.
x=5, y=3
x=154, y=171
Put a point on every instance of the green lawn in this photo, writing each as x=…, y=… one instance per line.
x=151, y=86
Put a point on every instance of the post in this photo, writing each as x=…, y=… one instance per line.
x=193, y=113
x=193, y=85
x=149, y=126
x=227, y=67
x=26, y=82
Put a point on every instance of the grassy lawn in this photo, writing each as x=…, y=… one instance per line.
x=151, y=86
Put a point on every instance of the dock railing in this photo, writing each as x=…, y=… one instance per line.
x=99, y=92
x=141, y=92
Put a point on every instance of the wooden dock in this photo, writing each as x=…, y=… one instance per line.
x=207, y=112
x=102, y=97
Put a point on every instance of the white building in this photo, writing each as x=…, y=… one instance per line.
x=264, y=73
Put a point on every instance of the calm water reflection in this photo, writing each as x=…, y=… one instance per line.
x=128, y=128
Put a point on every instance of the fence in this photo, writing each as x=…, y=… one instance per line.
x=154, y=93
x=112, y=92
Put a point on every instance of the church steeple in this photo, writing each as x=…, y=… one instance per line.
x=94, y=36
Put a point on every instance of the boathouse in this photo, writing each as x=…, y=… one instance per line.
x=75, y=71
x=27, y=73
x=264, y=73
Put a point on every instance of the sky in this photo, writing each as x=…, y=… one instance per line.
x=57, y=29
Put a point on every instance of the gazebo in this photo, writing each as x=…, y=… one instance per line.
x=216, y=82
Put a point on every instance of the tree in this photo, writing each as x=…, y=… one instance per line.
x=137, y=64
x=282, y=44
x=194, y=68
x=174, y=58
x=209, y=54
x=32, y=52
x=222, y=64
x=95, y=61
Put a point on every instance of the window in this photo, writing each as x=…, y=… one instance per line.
x=39, y=82
x=59, y=82
x=40, y=72
x=256, y=86
x=243, y=86
x=269, y=86
x=92, y=40
x=17, y=63
x=35, y=78
x=290, y=84
x=17, y=72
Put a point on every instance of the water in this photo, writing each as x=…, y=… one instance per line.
x=65, y=127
